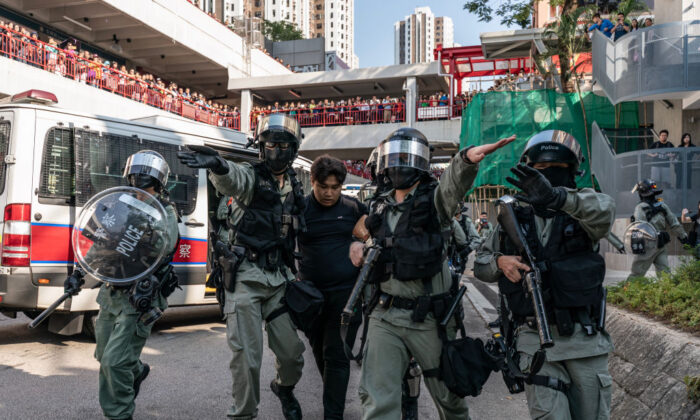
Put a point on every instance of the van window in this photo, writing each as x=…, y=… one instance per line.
x=57, y=174
x=4, y=147
x=101, y=159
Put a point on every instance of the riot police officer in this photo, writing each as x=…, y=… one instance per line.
x=465, y=222
x=122, y=327
x=483, y=226
x=411, y=223
x=562, y=226
x=654, y=211
x=266, y=214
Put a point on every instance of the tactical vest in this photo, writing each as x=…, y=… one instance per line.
x=268, y=226
x=415, y=249
x=572, y=273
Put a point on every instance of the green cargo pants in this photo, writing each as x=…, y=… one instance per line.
x=120, y=337
x=641, y=263
x=589, y=394
x=384, y=365
x=245, y=311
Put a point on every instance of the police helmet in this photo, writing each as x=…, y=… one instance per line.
x=149, y=163
x=405, y=147
x=647, y=188
x=553, y=146
x=278, y=128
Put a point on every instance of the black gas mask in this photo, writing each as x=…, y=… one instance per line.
x=143, y=181
x=559, y=176
x=403, y=177
x=279, y=159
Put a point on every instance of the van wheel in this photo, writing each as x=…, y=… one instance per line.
x=89, y=320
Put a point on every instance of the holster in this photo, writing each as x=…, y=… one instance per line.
x=229, y=267
x=420, y=312
x=169, y=281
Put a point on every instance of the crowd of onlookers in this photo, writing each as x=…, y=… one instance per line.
x=359, y=110
x=620, y=28
x=69, y=60
x=356, y=110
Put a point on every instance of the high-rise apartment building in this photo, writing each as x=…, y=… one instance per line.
x=335, y=20
x=331, y=19
x=418, y=34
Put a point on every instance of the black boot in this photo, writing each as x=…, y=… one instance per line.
x=290, y=406
x=137, y=381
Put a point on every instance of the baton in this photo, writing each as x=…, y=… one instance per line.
x=48, y=311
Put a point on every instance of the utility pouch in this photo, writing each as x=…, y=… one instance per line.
x=565, y=323
x=664, y=238
x=422, y=308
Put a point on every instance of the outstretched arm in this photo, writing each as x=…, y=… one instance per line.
x=459, y=176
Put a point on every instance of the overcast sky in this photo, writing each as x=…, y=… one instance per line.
x=374, y=26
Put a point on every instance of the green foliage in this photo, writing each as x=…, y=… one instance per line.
x=693, y=384
x=281, y=31
x=673, y=297
x=628, y=6
x=511, y=12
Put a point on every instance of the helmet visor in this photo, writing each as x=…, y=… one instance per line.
x=278, y=123
x=148, y=163
x=403, y=152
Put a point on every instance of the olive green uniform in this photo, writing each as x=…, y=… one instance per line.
x=578, y=359
x=662, y=221
x=222, y=216
x=120, y=337
x=486, y=231
x=257, y=294
x=472, y=235
x=393, y=337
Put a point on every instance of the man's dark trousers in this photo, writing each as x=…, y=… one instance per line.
x=329, y=354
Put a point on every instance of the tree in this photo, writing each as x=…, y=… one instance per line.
x=281, y=31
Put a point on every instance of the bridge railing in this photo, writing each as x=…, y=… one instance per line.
x=69, y=64
x=655, y=60
x=675, y=170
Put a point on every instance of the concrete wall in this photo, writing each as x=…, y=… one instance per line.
x=648, y=366
x=677, y=121
x=17, y=77
x=199, y=32
x=303, y=54
x=669, y=118
x=357, y=141
x=668, y=11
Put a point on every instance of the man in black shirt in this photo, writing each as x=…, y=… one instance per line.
x=661, y=168
x=330, y=219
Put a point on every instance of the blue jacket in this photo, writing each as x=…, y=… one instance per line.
x=605, y=26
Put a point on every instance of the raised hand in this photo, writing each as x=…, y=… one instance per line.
x=478, y=153
x=538, y=190
x=203, y=157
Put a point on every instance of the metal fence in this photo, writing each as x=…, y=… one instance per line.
x=675, y=170
x=655, y=60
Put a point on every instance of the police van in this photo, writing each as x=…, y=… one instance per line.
x=53, y=160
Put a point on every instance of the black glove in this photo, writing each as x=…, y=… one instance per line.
x=663, y=239
x=538, y=191
x=204, y=157
x=621, y=250
x=73, y=283
x=685, y=240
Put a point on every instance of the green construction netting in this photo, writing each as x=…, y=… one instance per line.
x=494, y=115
